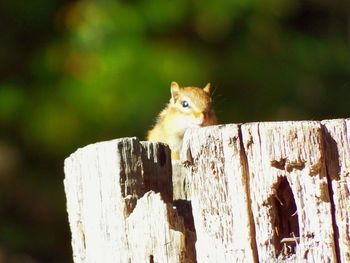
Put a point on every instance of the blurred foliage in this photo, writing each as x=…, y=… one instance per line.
x=73, y=73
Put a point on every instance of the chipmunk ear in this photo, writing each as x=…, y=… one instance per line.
x=174, y=88
x=207, y=88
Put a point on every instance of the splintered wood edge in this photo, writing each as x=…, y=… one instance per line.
x=104, y=183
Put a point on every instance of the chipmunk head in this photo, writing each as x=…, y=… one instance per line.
x=192, y=105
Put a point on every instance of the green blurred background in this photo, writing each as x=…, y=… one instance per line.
x=76, y=72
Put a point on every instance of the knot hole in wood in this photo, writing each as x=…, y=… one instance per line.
x=285, y=219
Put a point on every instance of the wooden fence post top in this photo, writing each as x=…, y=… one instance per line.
x=255, y=192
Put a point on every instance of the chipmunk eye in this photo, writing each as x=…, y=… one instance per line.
x=185, y=104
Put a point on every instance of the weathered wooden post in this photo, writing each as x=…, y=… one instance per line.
x=259, y=192
x=119, y=197
x=289, y=190
x=219, y=194
x=337, y=141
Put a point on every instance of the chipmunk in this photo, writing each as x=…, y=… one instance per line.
x=188, y=107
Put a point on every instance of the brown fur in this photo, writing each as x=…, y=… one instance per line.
x=175, y=119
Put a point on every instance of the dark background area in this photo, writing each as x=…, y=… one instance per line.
x=77, y=72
